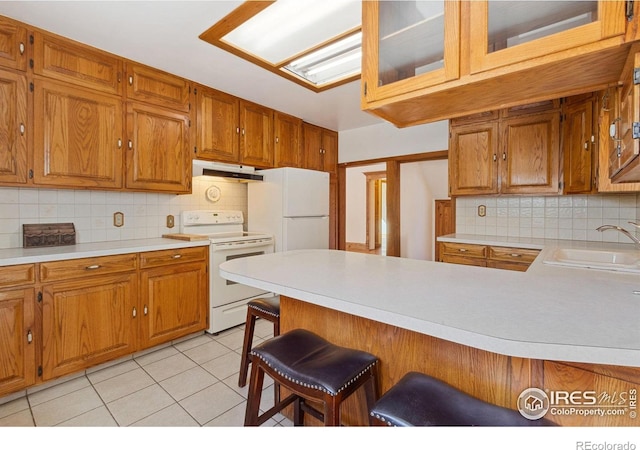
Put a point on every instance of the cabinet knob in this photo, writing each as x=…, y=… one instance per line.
x=237, y=130
x=21, y=48
x=119, y=143
x=134, y=313
x=29, y=337
x=495, y=158
x=504, y=156
x=130, y=80
x=277, y=140
x=22, y=129
x=145, y=310
x=130, y=144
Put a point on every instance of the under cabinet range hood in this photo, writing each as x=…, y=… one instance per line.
x=215, y=169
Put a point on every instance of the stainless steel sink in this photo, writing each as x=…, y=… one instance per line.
x=617, y=260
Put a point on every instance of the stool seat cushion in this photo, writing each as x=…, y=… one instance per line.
x=308, y=360
x=268, y=305
x=420, y=400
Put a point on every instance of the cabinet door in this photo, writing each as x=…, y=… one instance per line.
x=529, y=157
x=158, y=157
x=408, y=46
x=13, y=123
x=150, y=85
x=578, y=146
x=174, y=302
x=473, y=162
x=78, y=137
x=312, y=140
x=256, y=135
x=218, y=132
x=13, y=45
x=288, y=140
x=87, y=322
x=329, y=151
x=17, y=334
x=508, y=32
x=69, y=61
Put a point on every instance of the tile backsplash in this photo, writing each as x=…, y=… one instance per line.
x=145, y=214
x=561, y=217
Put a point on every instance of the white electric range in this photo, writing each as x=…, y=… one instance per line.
x=227, y=299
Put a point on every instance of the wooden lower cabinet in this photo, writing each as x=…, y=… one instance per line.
x=508, y=258
x=17, y=352
x=87, y=311
x=171, y=295
x=87, y=322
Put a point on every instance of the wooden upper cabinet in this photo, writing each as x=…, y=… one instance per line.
x=256, y=135
x=579, y=145
x=320, y=148
x=288, y=140
x=150, y=85
x=13, y=127
x=66, y=60
x=13, y=45
x=218, y=130
x=408, y=46
x=625, y=126
x=157, y=153
x=473, y=158
x=78, y=137
x=530, y=154
x=503, y=33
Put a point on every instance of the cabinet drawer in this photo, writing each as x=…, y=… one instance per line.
x=178, y=255
x=75, y=268
x=17, y=275
x=154, y=86
x=512, y=254
x=464, y=249
x=463, y=260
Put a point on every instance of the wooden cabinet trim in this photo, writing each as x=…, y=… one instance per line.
x=17, y=275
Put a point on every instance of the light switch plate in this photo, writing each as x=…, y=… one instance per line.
x=482, y=210
x=118, y=219
x=170, y=221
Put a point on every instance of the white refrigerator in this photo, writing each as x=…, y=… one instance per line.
x=292, y=205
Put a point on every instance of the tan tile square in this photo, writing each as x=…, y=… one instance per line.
x=233, y=339
x=66, y=407
x=187, y=383
x=139, y=405
x=211, y=402
x=157, y=355
x=263, y=329
x=172, y=416
x=224, y=366
x=112, y=371
x=124, y=384
x=18, y=419
x=168, y=367
x=15, y=406
x=206, y=352
x=58, y=390
x=193, y=342
x=99, y=417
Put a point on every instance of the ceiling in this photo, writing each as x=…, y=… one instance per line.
x=164, y=34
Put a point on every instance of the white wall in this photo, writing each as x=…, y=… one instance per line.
x=382, y=140
x=420, y=184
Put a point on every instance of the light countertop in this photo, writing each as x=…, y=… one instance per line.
x=12, y=256
x=548, y=312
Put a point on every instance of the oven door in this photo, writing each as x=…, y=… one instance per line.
x=223, y=292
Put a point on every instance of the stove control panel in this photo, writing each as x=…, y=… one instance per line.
x=206, y=217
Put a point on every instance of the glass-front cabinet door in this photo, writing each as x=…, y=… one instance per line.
x=408, y=45
x=505, y=32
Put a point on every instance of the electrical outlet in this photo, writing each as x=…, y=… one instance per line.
x=118, y=219
x=170, y=221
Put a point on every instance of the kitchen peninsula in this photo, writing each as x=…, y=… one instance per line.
x=489, y=332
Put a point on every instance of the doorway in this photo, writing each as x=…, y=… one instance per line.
x=376, y=215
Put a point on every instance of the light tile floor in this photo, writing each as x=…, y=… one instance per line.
x=191, y=383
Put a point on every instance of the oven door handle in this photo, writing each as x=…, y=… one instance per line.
x=239, y=245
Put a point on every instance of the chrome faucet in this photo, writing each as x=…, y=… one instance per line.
x=621, y=230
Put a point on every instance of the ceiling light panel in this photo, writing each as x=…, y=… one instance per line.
x=290, y=27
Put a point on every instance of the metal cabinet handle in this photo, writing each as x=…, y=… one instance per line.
x=29, y=337
x=93, y=267
x=516, y=255
x=178, y=256
x=462, y=250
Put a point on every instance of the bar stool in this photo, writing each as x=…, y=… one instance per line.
x=312, y=369
x=264, y=308
x=420, y=400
